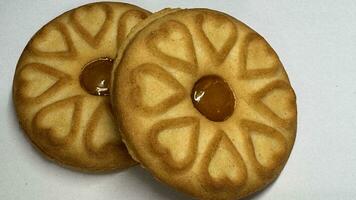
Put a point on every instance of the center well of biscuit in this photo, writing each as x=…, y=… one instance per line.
x=95, y=76
x=213, y=98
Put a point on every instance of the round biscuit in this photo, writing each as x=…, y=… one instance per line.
x=152, y=81
x=59, y=116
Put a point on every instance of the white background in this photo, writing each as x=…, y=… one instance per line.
x=316, y=41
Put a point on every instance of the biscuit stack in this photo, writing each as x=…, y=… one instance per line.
x=194, y=96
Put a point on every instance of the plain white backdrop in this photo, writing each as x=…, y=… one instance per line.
x=316, y=41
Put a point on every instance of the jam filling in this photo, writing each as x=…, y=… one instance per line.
x=95, y=77
x=213, y=98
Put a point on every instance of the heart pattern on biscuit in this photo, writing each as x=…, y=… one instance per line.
x=99, y=136
x=92, y=22
x=219, y=43
x=223, y=164
x=151, y=80
x=53, y=41
x=39, y=81
x=175, y=140
x=267, y=146
x=280, y=117
x=258, y=58
x=173, y=43
x=50, y=121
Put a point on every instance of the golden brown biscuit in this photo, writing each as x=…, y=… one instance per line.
x=61, y=86
x=204, y=103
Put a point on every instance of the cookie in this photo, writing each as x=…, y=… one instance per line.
x=61, y=86
x=204, y=103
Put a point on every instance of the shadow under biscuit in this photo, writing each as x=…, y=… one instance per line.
x=145, y=178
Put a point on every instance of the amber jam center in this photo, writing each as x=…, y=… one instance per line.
x=95, y=77
x=213, y=98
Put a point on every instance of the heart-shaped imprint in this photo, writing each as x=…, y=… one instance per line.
x=53, y=40
x=219, y=35
x=154, y=90
x=92, y=22
x=175, y=141
x=39, y=82
x=58, y=124
x=173, y=43
x=258, y=58
x=267, y=147
x=127, y=21
x=101, y=134
x=222, y=165
x=277, y=102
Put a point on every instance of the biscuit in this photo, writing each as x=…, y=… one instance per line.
x=61, y=86
x=204, y=103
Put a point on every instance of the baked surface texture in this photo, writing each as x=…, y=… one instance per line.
x=152, y=80
x=65, y=122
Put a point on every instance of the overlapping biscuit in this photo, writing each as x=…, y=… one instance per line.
x=61, y=87
x=204, y=103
